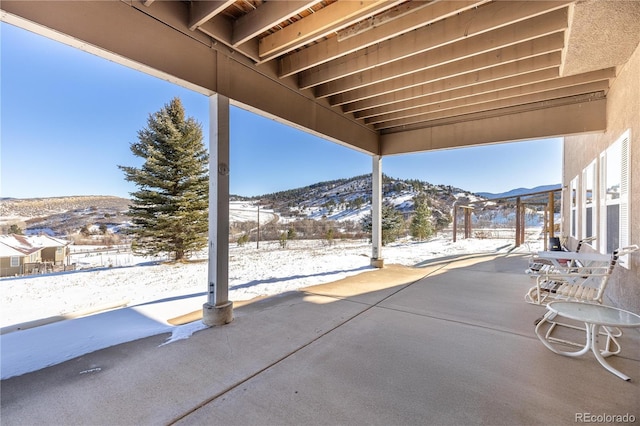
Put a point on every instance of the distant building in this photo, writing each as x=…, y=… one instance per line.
x=32, y=254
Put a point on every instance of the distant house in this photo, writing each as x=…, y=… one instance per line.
x=30, y=254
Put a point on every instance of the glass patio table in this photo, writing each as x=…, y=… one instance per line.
x=597, y=320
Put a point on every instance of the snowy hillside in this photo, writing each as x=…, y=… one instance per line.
x=350, y=199
x=343, y=203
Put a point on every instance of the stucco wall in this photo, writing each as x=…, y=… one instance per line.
x=623, y=113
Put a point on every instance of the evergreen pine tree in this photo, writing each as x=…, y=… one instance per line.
x=421, y=227
x=392, y=224
x=170, y=207
x=15, y=229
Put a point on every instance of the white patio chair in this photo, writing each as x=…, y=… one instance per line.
x=541, y=265
x=584, y=283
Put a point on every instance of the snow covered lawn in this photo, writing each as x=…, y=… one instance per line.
x=157, y=292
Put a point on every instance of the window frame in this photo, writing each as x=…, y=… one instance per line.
x=616, y=156
x=574, y=202
x=589, y=183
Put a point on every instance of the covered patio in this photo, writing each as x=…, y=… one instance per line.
x=450, y=342
x=381, y=77
x=453, y=345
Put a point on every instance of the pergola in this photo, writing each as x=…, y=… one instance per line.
x=520, y=210
x=382, y=77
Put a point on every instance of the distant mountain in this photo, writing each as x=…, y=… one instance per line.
x=343, y=200
x=518, y=191
x=58, y=216
x=350, y=198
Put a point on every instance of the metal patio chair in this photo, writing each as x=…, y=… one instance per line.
x=583, y=278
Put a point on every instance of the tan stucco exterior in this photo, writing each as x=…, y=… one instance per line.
x=623, y=114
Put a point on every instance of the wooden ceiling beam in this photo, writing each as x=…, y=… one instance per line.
x=419, y=70
x=460, y=108
x=430, y=78
x=528, y=65
x=329, y=19
x=528, y=84
x=372, y=22
x=421, y=14
x=536, y=121
x=378, y=114
x=176, y=14
x=267, y=16
x=203, y=10
x=486, y=28
x=465, y=49
x=221, y=29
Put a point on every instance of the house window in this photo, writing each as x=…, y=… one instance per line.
x=15, y=261
x=574, y=208
x=589, y=211
x=614, y=193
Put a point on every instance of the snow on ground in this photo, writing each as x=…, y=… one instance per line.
x=156, y=292
x=242, y=211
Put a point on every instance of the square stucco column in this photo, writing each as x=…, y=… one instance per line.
x=376, y=212
x=218, y=310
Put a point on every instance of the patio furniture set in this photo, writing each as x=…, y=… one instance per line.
x=571, y=286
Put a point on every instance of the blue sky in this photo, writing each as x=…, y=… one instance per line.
x=68, y=118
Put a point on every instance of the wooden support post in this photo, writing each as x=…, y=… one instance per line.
x=518, y=224
x=455, y=222
x=523, y=227
x=467, y=223
x=545, y=229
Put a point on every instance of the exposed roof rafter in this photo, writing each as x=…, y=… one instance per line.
x=453, y=42
x=204, y=10
x=332, y=18
x=378, y=68
x=267, y=16
x=332, y=48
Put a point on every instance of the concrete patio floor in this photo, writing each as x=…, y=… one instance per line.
x=449, y=343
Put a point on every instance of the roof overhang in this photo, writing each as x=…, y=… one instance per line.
x=382, y=77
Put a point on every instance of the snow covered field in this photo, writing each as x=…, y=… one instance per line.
x=154, y=293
